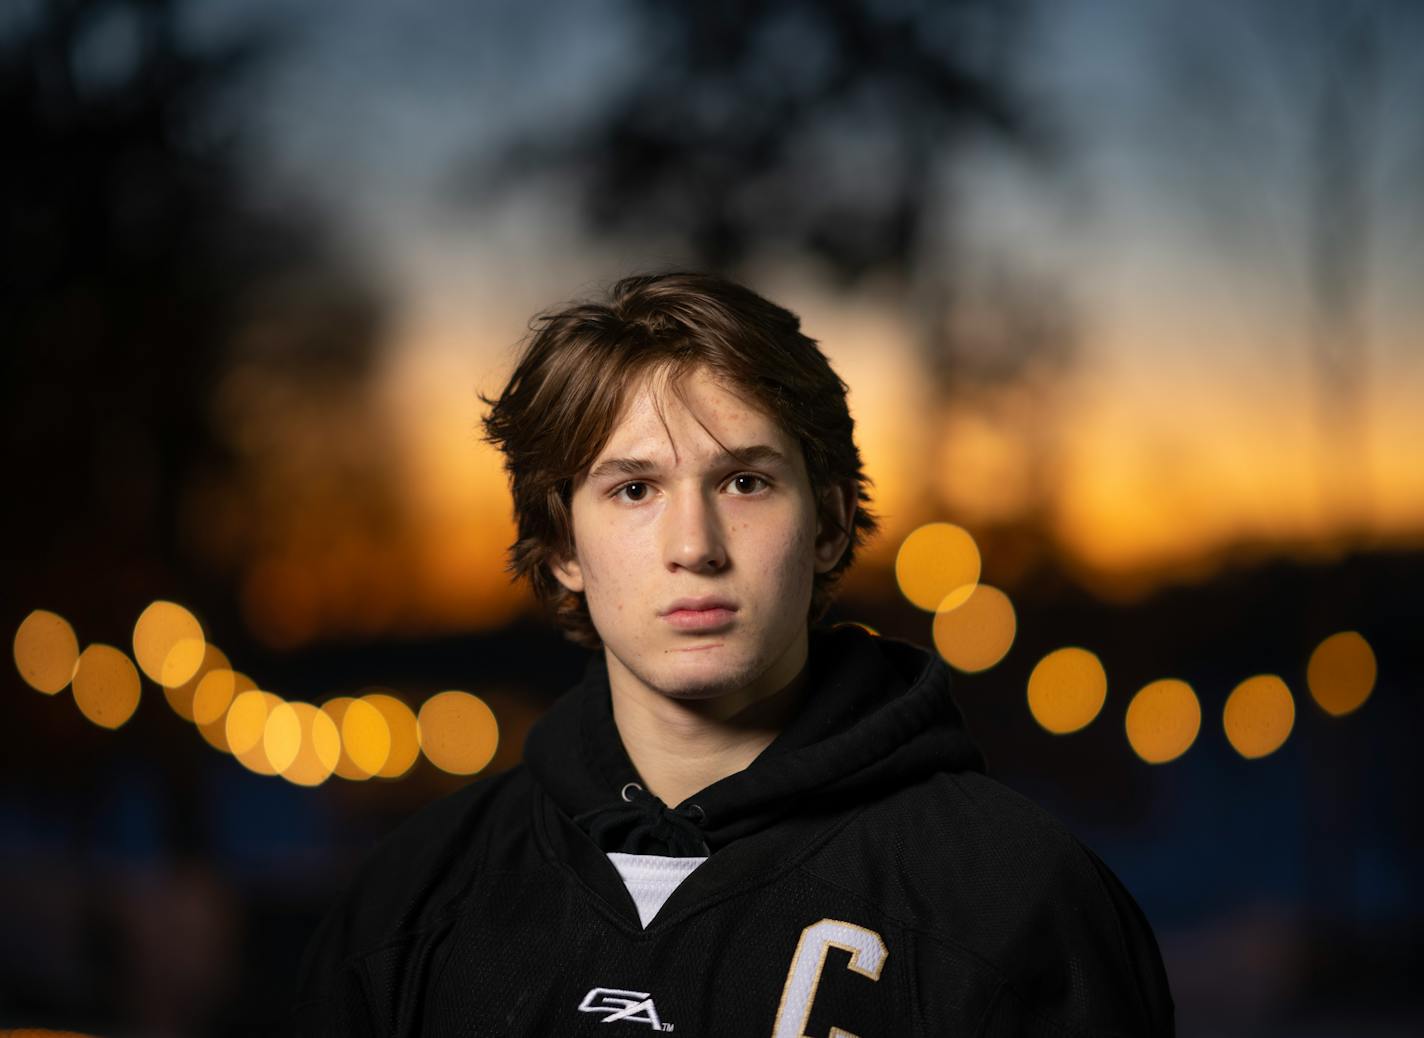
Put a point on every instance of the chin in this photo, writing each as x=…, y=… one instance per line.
x=706, y=674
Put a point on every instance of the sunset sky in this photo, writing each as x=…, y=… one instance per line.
x=1191, y=417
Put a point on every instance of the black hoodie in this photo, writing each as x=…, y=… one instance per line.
x=865, y=878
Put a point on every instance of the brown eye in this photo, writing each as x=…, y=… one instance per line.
x=635, y=491
x=747, y=483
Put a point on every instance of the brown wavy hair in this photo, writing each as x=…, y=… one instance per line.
x=576, y=368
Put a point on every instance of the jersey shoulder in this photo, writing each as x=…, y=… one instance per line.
x=416, y=875
x=984, y=871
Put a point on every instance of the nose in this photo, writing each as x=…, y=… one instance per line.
x=693, y=536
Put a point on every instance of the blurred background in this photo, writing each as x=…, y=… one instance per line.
x=1127, y=298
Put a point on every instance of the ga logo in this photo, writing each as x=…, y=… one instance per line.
x=636, y=1007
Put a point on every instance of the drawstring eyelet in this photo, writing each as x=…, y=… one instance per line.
x=624, y=791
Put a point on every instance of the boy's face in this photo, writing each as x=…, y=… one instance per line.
x=664, y=518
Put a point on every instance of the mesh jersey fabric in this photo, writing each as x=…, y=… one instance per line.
x=652, y=878
x=863, y=874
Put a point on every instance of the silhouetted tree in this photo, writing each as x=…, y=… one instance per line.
x=833, y=132
x=139, y=265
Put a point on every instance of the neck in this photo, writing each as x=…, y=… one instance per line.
x=680, y=746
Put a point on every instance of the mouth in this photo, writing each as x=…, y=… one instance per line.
x=700, y=616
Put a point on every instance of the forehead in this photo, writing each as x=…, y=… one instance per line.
x=695, y=415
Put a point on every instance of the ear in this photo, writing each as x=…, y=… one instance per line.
x=831, y=544
x=567, y=572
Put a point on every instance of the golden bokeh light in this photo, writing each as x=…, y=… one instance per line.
x=335, y=708
x=46, y=651
x=246, y=720
x=301, y=743
x=168, y=643
x=1163, y=720
x=215, y=692
x=403, y=732
x=180, y=697
x=106, y=686
x=246, y=726
x=458, y=732
x=1259, y=715
x=214, y=732
x=365, y=739
x=977, y=633
x=1341, y=673
x=1067, y=689
x=937, y=566
x=282, y=735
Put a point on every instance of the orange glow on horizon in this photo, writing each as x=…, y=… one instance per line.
x=1171, y=444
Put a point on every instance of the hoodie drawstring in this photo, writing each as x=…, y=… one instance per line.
x=639, y=823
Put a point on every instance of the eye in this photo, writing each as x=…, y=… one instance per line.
x=742, y=480
x=635, y=491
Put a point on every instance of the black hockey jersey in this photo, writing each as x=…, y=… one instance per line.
x=864, y=878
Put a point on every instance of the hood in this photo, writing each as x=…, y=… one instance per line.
x=876, y=716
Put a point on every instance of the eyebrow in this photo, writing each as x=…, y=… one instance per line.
x=756, y=454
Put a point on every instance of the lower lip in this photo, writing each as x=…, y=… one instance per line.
x=699, y=619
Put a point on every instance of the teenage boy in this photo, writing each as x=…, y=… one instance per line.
x=739, y=822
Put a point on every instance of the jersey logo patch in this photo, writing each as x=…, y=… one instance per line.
x=634, y=1007
x=867, y=957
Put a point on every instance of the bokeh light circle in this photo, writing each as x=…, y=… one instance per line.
x=301, y=743
x=1341, y=673
x=282, y=735
x=365, y=738
x=215, y=732
x=1067, y=689
x=46, y=651
x=336, y=708
x=1258, y=715
x=246, y=720
x=937, y=566
x=106, y=685
x=1163, y=720
x=458, y=732
x=403, y=729
x=246, y=728
x=180, y=697
x=168, y=643
x=977, y=633
x=215, y=692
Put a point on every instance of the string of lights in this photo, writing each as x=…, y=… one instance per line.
x=377, y=735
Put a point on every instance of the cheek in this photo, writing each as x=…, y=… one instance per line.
x=785, y=549
x=609, y=563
